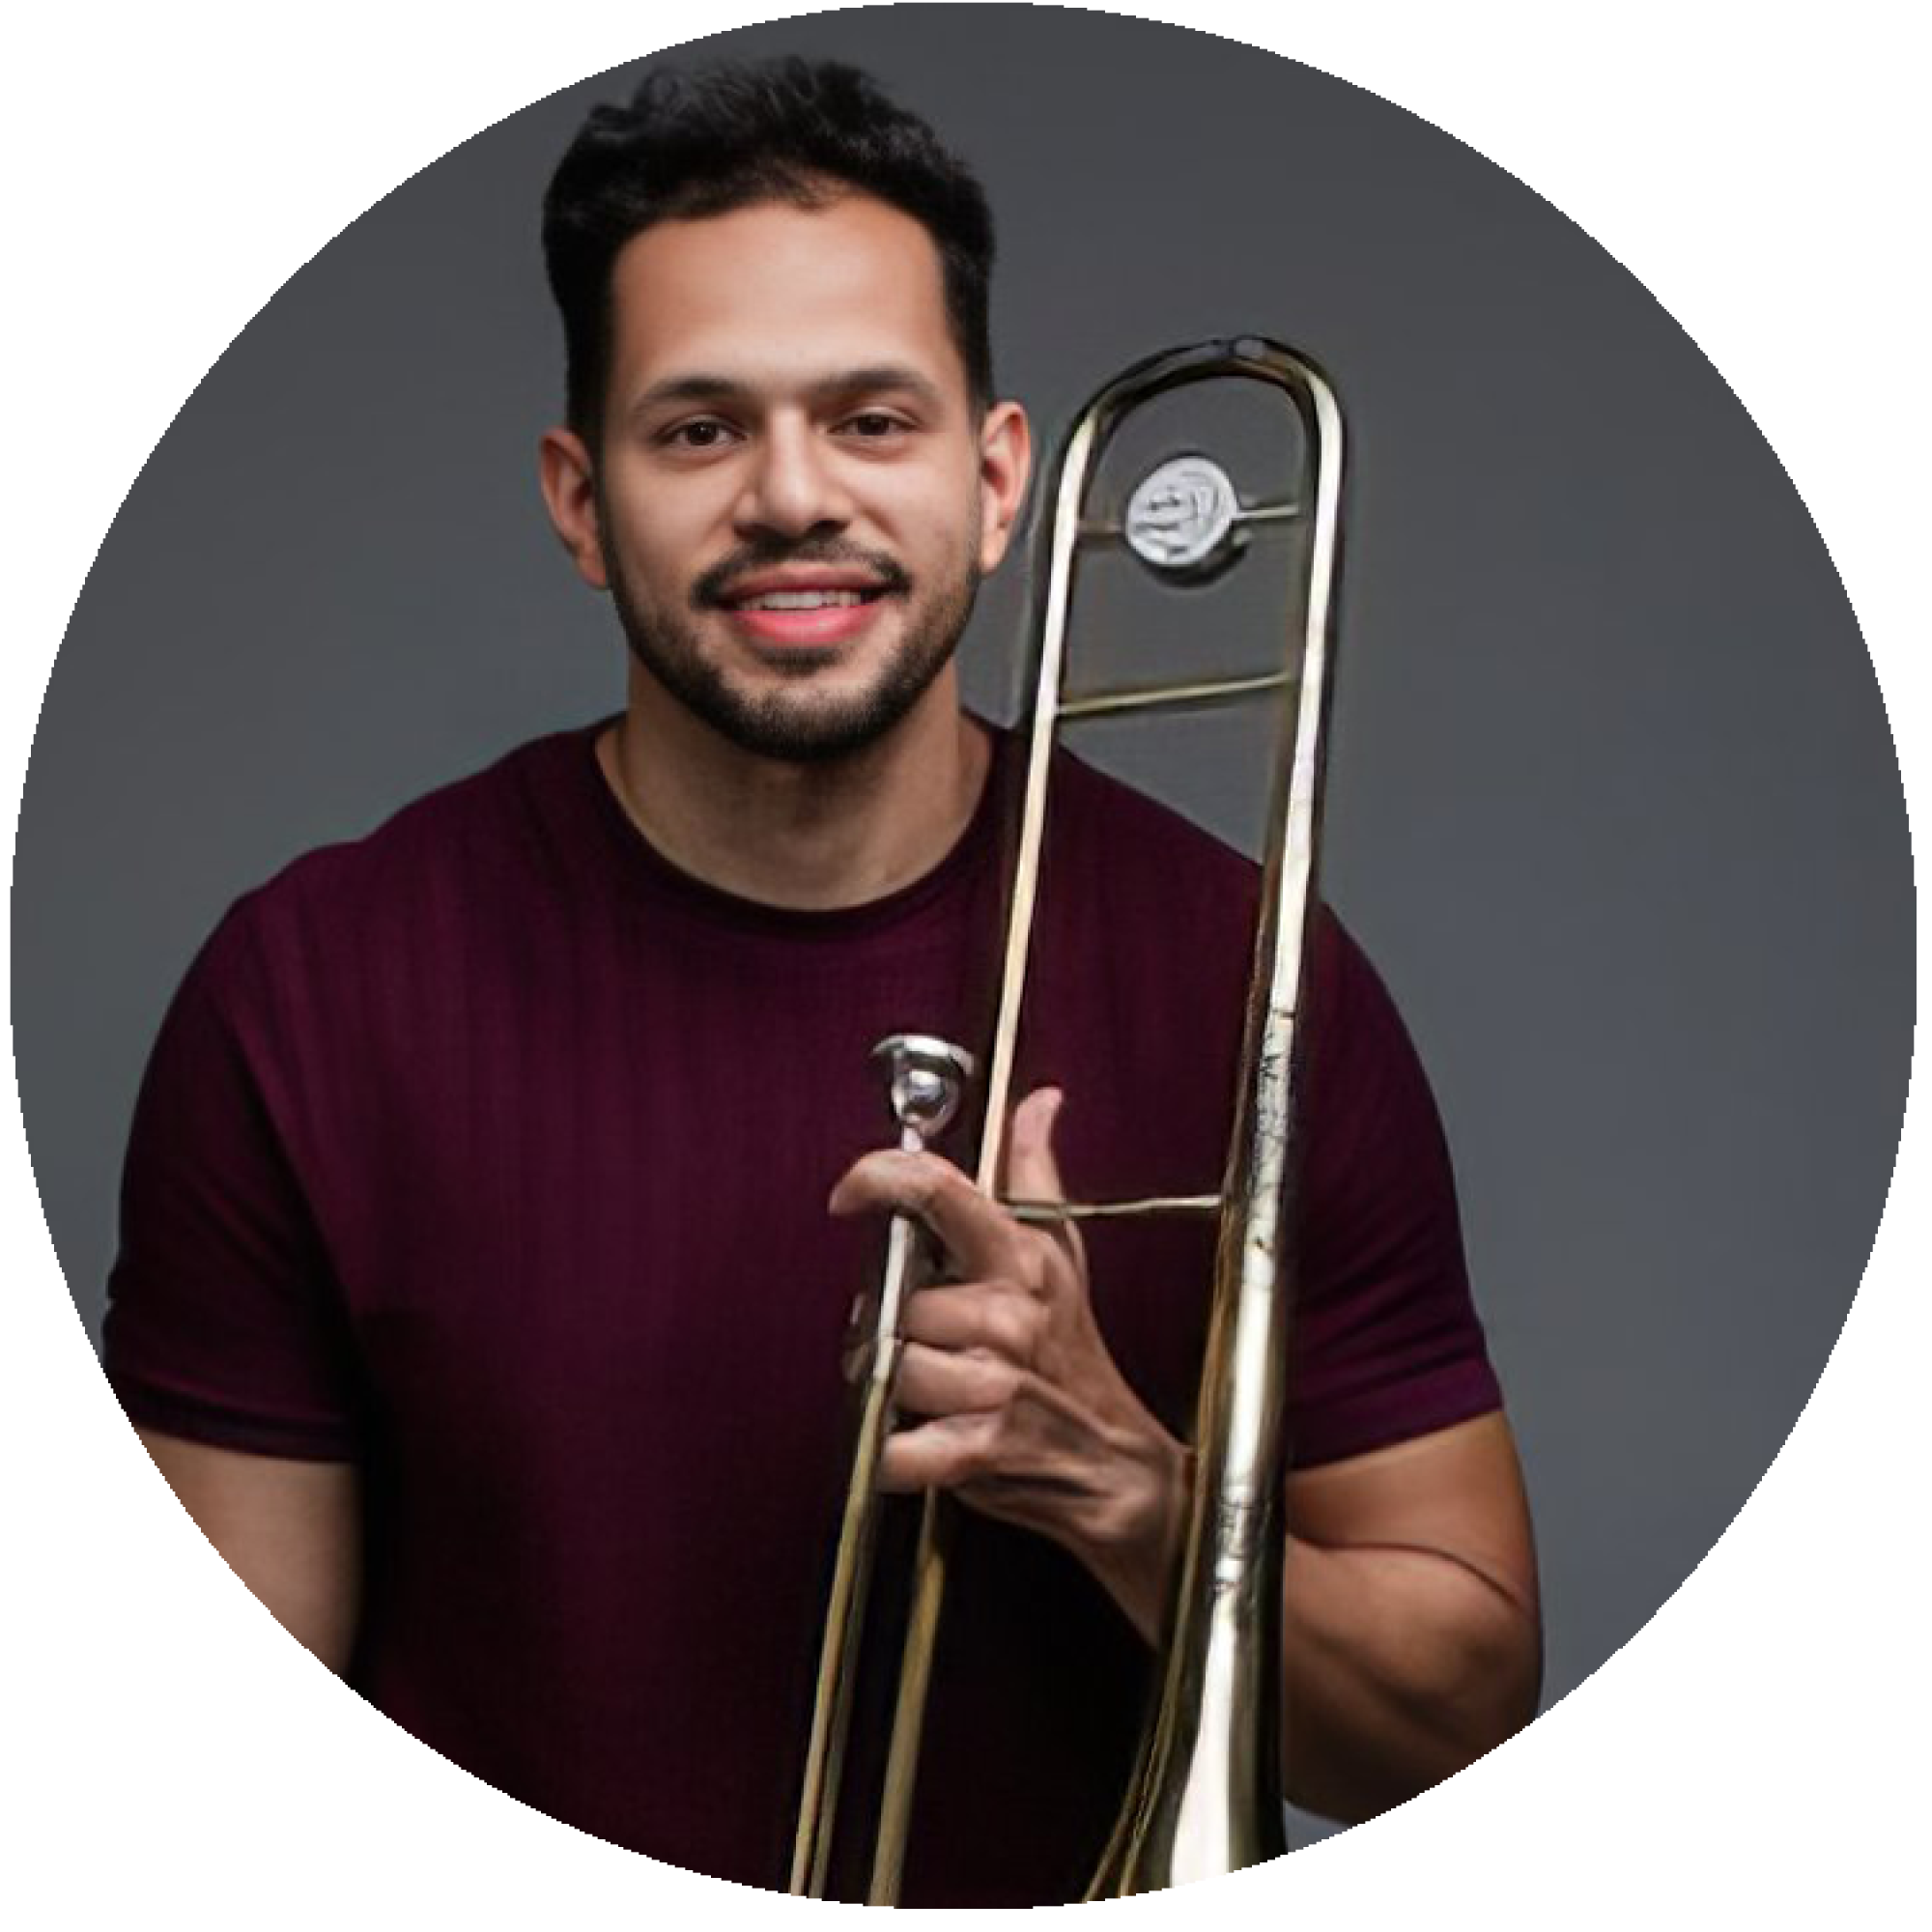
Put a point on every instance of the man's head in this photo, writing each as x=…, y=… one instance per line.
x=782, y=459
x=695, y=144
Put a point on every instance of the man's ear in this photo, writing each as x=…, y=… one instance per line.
x=570, y=493
x=1005, y=462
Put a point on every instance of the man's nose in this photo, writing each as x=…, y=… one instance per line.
x=793, y=487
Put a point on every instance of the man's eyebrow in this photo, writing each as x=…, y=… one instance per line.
x=702, y=387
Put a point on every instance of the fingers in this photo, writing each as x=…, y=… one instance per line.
x=1033, y=1173
x=983, y=1320
x=1033, y=1169
x=939, y=1382
x=981, y=1238
x=994, y=1318
x=945, y=1453
x=1025, y=1462
x=966, y=1387
x=1007, y=1397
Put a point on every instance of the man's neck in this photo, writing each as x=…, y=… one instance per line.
x=813, y=836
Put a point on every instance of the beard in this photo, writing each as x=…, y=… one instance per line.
x=794, y=723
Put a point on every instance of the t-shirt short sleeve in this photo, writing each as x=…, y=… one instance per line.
x=1388, y=1345
x=223, y=1323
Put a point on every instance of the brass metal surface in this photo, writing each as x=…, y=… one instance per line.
x=1204, y=1797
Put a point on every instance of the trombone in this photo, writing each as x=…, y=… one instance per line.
x=1205, y=1796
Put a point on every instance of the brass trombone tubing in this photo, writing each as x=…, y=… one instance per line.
x=1165, y=696
x=1193, y=1809
x=1205, y=1798
x=1208, y=1754
x=1051, y=1213
x=852, y=1566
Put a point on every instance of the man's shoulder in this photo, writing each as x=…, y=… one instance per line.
x=462, y=844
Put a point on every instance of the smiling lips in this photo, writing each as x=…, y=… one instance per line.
x=803, y=610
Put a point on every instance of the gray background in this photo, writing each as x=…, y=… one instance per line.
x=1613, y=801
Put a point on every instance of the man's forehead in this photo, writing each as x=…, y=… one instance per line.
x=775, y=291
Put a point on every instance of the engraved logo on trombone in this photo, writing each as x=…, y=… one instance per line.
x=1179, y=517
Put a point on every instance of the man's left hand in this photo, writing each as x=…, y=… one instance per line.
x=1015, y=1403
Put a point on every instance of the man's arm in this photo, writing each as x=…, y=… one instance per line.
x=1412, y=1640
x=291, y=1530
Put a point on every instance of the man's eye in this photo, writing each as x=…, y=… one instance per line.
x=874, y=423
x=700, y=435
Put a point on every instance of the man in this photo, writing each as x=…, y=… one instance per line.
x=499, y=1184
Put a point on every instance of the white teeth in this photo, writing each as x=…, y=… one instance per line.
x=804, y=600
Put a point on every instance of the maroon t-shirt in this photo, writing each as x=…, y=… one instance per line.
x=492, y=1151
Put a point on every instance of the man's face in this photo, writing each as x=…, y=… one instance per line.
x=794, y=499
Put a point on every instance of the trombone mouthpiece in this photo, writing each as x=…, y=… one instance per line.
x=928, y=1080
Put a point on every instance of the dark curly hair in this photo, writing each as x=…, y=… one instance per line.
x=698, y=142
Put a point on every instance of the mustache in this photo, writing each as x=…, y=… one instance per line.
x=712, y=588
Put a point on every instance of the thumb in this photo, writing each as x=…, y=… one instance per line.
x=1033, y=1173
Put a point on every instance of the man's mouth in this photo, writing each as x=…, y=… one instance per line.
x=805, y=617
x=805, y=600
